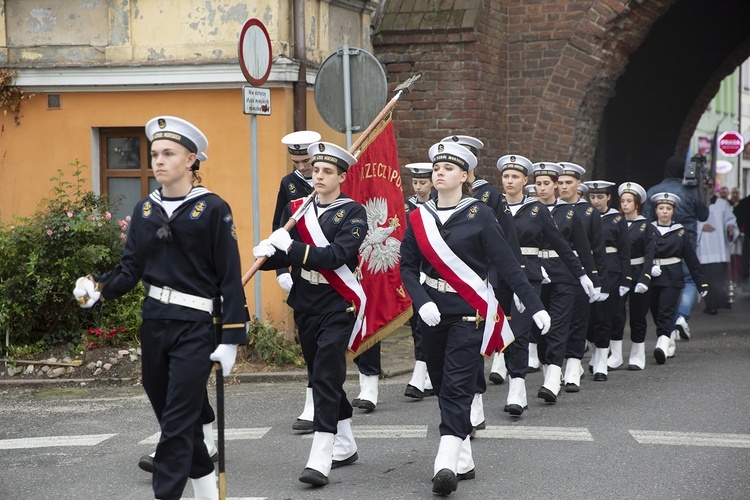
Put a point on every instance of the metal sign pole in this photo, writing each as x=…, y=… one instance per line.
x=256, y=206
x=347, y=97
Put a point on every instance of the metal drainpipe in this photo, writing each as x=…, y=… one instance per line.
x=300, y=86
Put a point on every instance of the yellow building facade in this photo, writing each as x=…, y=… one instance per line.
x=99, y=70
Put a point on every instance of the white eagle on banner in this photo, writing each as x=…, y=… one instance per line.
x=379, y=250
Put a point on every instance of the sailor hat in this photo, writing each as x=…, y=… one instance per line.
x=177, y=130
x=471, y=143
x=599, y=187
x=452, y=152
x=298, y=142
x=572, y=169
x=422, y=170
x=547, y=168
x=331, y=153
x=668, y=198
x=583, y=189
x=515, y=162
x=633, y=188
x=199, y=158
x=530, y=189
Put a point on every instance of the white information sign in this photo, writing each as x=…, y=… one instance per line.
x=257, y=101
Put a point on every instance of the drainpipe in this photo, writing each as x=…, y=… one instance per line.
x=300, y=86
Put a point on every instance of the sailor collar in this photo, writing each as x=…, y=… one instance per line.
x=195, y=192
x=663, y=230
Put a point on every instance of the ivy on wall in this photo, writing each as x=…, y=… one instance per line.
x=11, y=96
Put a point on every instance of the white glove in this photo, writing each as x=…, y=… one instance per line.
x=280, y=239
x=422, y=278
x=85, y=292
x=225, y=354
x=624, y=290
x=545, y=276
x=656, y=271
x=588, y=286
x=703, y=293
x=285, y=281
x=602, y=297
x=641, y=288
x=264, y=249
x=430, y=314
x=519, y=305
x=542, y=320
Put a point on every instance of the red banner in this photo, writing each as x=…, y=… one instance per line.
x=375, y=183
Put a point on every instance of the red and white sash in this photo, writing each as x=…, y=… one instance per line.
x=342, y=279
x=467, y=283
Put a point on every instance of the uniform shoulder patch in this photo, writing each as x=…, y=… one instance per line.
x=643, y=227
x=472, y=212
x=292, y=188
x=407, y=208
x=617, y=219
x=228, y=218
x=357, y=221
x=234, y=232
x=339, y=216
x=506, y=208
x=569, y=215
x=357, y=232
x=146, y=210
x=681, y=233
x=534, y=211
x=485, y=196
x=589, y=211
x=198, y=209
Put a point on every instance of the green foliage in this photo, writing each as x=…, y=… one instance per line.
x=71, y=234
x=266, y=343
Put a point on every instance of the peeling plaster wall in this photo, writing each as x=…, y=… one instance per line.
x=42, y=33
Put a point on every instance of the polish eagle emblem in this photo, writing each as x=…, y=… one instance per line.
x=380, y=251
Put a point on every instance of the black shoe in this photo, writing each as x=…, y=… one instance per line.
x=600, y=377
x=496, y=378
x=591, y=369
x=365, y=405
x=215, y=456
x=547, y=395
x=413, y=392
x=147, y=463
x=712, y=311
x=467, y=475
x=570, y=387
x=445, y=482
x=634, y=368
x=302, y=425
x=660, y=356
x=355, y=402
x=347, y=461
x=429, y=392
x=481, y=426
x=532, y=369
x=311, y=476
x=514, y=410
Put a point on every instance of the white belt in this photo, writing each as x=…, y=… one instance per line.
x=439, y=284
x=637, y=260
x=313, y=277
x=168, y=295
x=547, y=254
x=668, y=261
x=529, y=251
x=611, y=250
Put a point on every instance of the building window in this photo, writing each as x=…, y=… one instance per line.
x=126, y=174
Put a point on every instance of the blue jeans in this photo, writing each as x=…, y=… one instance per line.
x=688, y=296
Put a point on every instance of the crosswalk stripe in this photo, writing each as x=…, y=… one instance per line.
x=229, y=434
x=692, y=438
x=386, y=431
x=54, y=441
x=531, y=432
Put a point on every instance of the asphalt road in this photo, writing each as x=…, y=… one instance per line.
x=681, y=430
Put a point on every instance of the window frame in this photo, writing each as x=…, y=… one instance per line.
x=145, y=174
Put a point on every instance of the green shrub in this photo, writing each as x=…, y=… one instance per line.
x=70, y=235
x=266, y=343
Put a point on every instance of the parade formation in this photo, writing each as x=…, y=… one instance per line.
x=521, y=274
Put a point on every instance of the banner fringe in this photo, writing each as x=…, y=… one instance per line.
x=373, y=135
x=382, y=333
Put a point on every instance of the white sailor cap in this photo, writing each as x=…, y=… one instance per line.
x=599, y=187
x=199, y=158
x=632, y=188
x=471, y=143
x=530, y=189
x=668, y=198
x=298, y=142
x=177, y=130
x=547, y=168
x=572, y=169
x=421, y=170
x=331, y=153
x=452, y=152
x=582, y=189
x=515, y=162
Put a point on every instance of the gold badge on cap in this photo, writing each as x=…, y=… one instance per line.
x=296, y=146
x=627, y=185
x=596, y=185
x=162, y=123
x=440, y=148
x=513, y=159
x=454, y=138
x=666, y=196
x=321, y=147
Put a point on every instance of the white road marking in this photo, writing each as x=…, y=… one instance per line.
x=531, y=432
x=692, y=438
x=386, y=431
x=53, y=441
x=229, y=434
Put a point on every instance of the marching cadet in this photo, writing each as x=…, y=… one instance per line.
x=420, y=384
x=563, y=278
x=327, y=299
x=295, y=185
x=667, y=282
x=530, y=190
x=454, y=240
x=583, y=191
x=534, y=227
x=182, y=244
x=642, y=241
x=492, y=197
x=568, y=183
x=617, y=247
